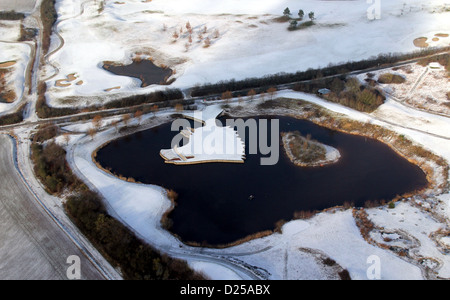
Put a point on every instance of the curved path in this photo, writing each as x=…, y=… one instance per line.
x=61, y=41
x=32, y=246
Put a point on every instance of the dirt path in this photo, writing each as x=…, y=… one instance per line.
x=32, y=245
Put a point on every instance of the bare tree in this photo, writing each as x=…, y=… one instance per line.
x=66, y=138
x=126, y=118
x=271, y=91
x=97, y=122
x=138, y=115
x=92, y=133
x=175, y=36
x=207, y=42
x=227, y=95
x=154, y=109
x=116, y=125
x=251, y=94
x=179, y=107
x=216, y=34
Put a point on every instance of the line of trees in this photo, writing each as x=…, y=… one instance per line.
x=13, y=118
x=51, y=168
x=48, y=17
x=263, y=83
x=11, y=16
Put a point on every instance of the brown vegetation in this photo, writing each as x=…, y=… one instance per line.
x=51, y=168
x=389, y=78
x=421, y=42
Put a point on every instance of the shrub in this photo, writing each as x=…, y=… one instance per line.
x=46, y=132
x=389, y=78
x=13, y=118
x=345, y=275
x=51, y=168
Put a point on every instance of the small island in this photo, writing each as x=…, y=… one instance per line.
x=305, y=152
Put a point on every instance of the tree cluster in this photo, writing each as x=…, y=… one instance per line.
x=13, y=118
x=294, y=23
x=51, y=168
x=48, y=17
x=136, y=259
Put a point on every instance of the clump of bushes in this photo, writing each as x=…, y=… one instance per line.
x=45, y=133
x=346, y=91
x=389, y=78
x=11, y=16
x=51, y=168
x=13, y=118
x=48, y=17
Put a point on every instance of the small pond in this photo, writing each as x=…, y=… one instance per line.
x=214, y=204
x=144, y=70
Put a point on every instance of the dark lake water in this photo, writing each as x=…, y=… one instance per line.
x=145, y=70
x=214, y=205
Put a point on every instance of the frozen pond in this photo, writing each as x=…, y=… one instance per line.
x=23, y=6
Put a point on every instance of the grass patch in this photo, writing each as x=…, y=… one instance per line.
x=389, y=78
x=51, y=168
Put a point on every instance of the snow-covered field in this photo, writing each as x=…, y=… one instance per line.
x=249, y=42
x=13, y=51
x=299, y=251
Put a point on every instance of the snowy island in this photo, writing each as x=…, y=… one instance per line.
x=305, y=152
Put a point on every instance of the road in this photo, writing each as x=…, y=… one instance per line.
x=32, y=244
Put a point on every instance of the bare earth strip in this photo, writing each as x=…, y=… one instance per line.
x=32, y=246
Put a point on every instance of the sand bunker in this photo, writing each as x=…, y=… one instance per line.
x=421, y=42
x=441, y=34
x=112, y=89
x=66, y=82
x=7, y=64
